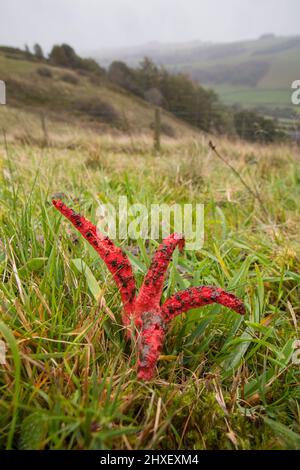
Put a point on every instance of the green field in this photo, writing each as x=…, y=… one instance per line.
x=223, y=381
x=255, y=97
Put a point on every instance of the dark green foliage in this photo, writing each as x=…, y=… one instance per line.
x=125, y=77
x=28, y=53
x=190, y=102
x=65, y=56
x=90, y=65
x=38, y=52
x=253, y=127
x=148, y=75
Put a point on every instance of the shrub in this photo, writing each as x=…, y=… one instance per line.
x=44, y=72
x=69, y=78
x=100, y=110
x=65, y=56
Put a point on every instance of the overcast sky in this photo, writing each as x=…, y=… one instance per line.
x=89, y=25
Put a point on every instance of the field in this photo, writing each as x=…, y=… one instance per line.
x=223, y=381
x=255, y=97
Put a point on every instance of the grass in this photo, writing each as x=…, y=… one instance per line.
x=224, y=382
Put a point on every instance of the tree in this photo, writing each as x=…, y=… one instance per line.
x=64, y=56
x=148, y=74
x=28, y=54
x=125, y=77
x=38, y=52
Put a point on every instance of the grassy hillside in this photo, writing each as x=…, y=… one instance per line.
x=67, y=97
x=250, y=73
x=223, y=382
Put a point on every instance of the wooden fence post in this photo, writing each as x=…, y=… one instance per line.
x=44, y=128
x=157, y=130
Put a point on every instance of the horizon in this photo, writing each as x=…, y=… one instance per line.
x=196, y=41
x=153, y=43
x=95, y=25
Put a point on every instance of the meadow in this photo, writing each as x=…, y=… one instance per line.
x=223, y=381
x=254, y=97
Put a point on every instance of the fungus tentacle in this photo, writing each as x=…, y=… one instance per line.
x=115, y=259
x=152, y=287
x=150, y=343
x=196, y=297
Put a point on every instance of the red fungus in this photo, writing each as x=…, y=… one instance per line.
x=149, y=317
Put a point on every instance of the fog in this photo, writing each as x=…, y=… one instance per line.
x=89, y=25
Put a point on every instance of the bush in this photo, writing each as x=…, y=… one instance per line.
x=100, y=110
x=44, y=72
x=69, y=78
x=65, y=56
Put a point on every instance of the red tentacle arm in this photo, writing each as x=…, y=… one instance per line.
x=196, y=297
x=114, y=258
x=151, y=341
x=152, y=287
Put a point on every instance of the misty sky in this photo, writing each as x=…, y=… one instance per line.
x=89, y=25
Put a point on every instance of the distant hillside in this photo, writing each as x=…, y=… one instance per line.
x=256, y=73
x=75, y=96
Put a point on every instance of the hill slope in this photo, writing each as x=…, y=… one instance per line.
x=74, y=97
